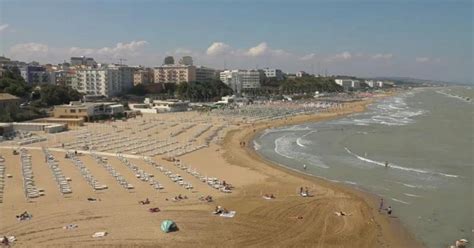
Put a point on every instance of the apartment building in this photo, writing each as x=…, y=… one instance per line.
x=240, y=80
x=205, y=74
x=175, y=74
x=273, y=73
x=143, y=76
x=108, y=80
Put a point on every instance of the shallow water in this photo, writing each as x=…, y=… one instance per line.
x=426, y=136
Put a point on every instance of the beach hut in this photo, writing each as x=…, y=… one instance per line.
x=168, y=226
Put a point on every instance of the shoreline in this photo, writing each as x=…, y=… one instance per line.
x=390, y=231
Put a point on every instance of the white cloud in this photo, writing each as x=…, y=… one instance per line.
x=3, y=27
x=307, y=57
x=263, y=49
x=427, y=60
x=340, y=57
x=385, y=56
x=218, y=48
x=257, y=50
x=120, y=49
x=31, y=47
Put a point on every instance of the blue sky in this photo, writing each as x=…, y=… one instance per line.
x=425, y=39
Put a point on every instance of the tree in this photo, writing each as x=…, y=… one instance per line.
x=202, y=91
x=138, y=90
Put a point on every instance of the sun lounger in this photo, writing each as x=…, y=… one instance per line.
x=229, y=214
x=99, y=234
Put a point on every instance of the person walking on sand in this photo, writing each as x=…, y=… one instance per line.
x=381, y=205
x=304, y=166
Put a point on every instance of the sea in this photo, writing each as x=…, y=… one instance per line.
x=426, y=137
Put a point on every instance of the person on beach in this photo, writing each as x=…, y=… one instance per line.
x=386, y=164
x=381, y=205
x=389, y=210
x=304, y=166
x=301, y=190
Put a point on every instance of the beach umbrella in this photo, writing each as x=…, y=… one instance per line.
x=168, y=226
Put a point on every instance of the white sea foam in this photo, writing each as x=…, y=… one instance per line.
x=350, y=182
x=302, y=142
x=397, y=200
x=284, y=147
x=412, y=195
x=398, y=166
x=391, y=112
x=256, y=145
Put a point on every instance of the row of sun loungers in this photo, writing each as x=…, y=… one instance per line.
x=31, y=141
x=110, y=169
x=211, y=181
x=61, y=180
x=141, y=174
x=199, y=132
x=2, y=178
x=182, y=130
x=29, y=186
x=173, y=177
x=86, y=174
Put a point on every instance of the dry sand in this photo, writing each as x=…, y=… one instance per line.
x=287, y=221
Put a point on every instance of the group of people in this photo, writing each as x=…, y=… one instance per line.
x=208, y=198
x=24, y=216
x=178, y=198
x=304, y=192
x=242, y=143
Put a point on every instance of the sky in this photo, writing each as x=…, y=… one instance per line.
x=429, y=39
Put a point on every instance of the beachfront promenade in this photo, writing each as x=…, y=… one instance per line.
x=95, y=177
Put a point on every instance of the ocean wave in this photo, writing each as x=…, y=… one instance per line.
x=397, y=200
x=398, y=166
x=302, y=142
x=256, y=146
x=390, y=112
x=458, y=97
x=412, y=195
x=283, y=147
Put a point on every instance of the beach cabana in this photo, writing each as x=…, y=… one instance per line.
x=168, y=226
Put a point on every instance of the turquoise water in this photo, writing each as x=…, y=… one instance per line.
x=426, y=135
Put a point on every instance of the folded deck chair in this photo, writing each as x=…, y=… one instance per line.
x=230, y=214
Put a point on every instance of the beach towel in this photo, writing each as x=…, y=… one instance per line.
x=230, y=214
x=99, y=234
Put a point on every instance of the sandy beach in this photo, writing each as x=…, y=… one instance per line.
x=289, y=220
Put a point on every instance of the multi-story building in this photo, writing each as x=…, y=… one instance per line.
x=204, y=74
x=240, y=80
x=78, y=61
x=107, y=80
x=169, y=60
x=273, y=73
x=143, y=76
x=175, y=74
x=348, y=83
x=186, y=60
x=34, y=74
x=374, y=84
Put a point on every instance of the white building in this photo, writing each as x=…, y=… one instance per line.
x=186, y=60
x=273, y=73
x=239, y=80
x=348, y=83
x=374, y=84
x=301, y=74
x=106, y=81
